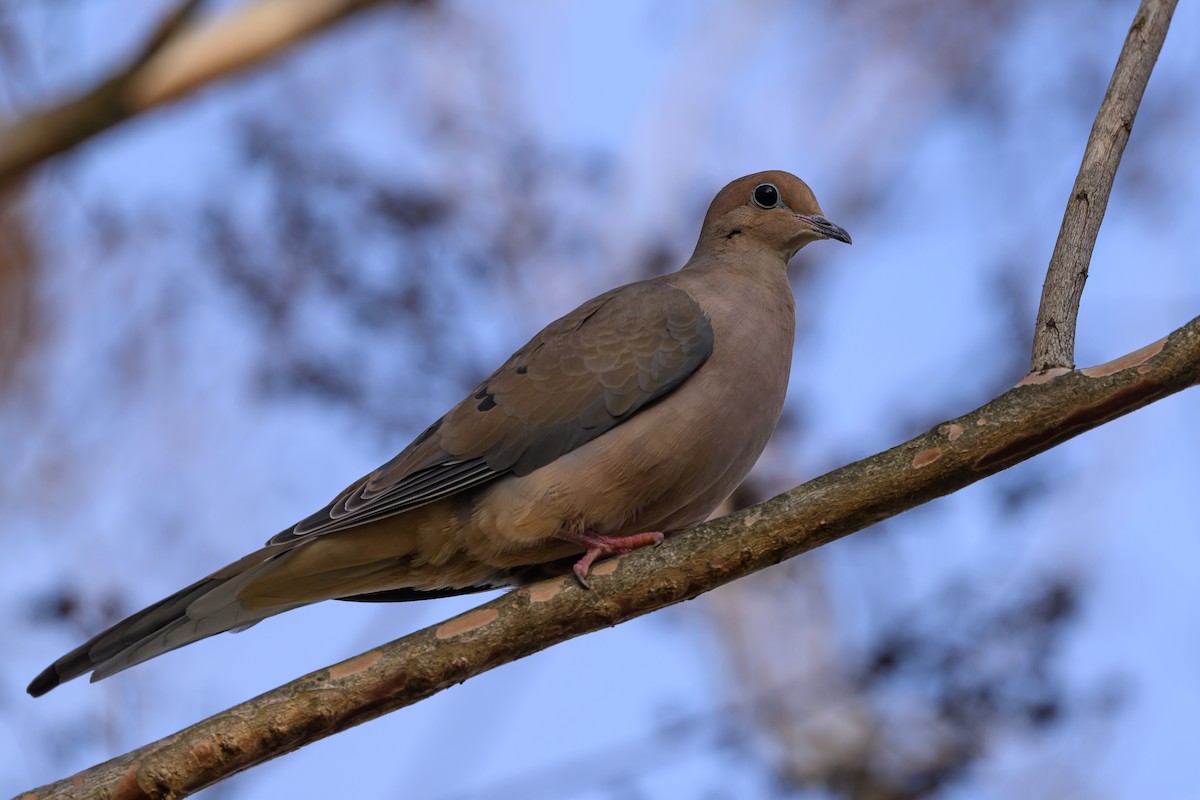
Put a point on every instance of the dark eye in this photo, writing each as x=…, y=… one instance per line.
x=765, y=195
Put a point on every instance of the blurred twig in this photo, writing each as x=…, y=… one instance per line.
x=913, y=711
x=18, y=298
x=1016, y=426
x=177, y=59
x=1012, y=428
x=825, y=719
x=1054, y=333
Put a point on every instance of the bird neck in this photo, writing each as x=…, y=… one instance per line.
x=736, y=245
x=740, y=279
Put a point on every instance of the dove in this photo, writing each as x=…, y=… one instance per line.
x=627, y=420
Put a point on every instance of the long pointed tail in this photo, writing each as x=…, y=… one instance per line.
x=207, y=607
x=378, y=561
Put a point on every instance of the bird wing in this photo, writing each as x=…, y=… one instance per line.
x=578, y=378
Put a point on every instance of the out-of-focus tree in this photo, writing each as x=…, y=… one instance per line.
x=377, y=220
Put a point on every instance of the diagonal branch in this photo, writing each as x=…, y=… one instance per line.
x=39, y=137
x=168, y=29
x=1015, y=426
x=178, y=59
x=1029, y=419
x=1054, y=333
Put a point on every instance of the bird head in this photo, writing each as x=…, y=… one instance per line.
x=772, y=209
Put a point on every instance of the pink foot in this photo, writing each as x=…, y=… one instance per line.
x=601, y=545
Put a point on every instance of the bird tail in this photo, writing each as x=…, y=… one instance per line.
x=206, y=608
x=380, y=561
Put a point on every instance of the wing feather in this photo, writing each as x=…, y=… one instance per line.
x=574, y=381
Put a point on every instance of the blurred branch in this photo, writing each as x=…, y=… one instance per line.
x=168, y=29
x=1054, y=333
x=18, y=298
x=1017, y=425
x=177, y=59
x=1045, y=411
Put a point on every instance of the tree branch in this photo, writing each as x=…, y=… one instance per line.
x=1044, y=411
x=175, y=62
x=1015, y=426
x=169, y=28
x=1054, y=333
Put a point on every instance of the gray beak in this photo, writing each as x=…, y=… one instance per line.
x=827, y=228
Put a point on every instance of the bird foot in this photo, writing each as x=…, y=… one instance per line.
x=601, y=545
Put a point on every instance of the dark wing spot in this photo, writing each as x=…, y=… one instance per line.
x=521, y=370
x=482, y=393
x=487, y=403
x=430, y=431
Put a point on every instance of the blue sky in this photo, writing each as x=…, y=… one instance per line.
x=146, y=461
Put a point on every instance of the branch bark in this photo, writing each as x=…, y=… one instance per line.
x=1017, y=425
x=1054, y=334
x=1045, y=410
x=173, y=64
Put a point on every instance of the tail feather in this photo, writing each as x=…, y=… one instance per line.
x=143, y=649
x=207, y=607
x=376, y=561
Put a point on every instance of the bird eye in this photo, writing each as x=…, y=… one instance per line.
x=765, y=195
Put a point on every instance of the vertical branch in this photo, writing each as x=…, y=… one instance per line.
x=1054, y=334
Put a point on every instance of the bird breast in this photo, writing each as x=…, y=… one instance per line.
x=671, y=464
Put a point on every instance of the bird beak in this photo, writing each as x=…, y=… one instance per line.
x=826, y=228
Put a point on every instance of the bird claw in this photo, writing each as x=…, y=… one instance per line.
x=581, y=573
x=601, y=545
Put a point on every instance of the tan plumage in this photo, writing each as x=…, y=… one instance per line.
x=637, y=413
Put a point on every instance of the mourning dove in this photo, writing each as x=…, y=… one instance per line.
x=630, y=418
